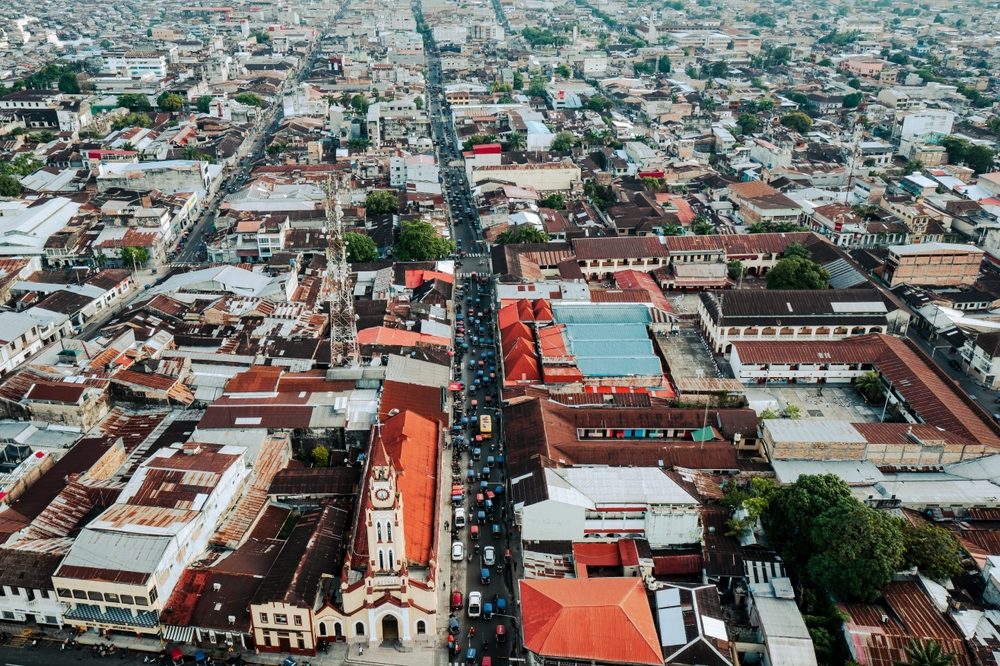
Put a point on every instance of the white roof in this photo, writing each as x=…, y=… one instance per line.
x=30, y=228
x=408, y=370
x=852, y=472
x=117, y=551
x=219, y=278
x=909, y=489
x=987, y=468
x=813, y=430
x=13, y=325
x=597, y=486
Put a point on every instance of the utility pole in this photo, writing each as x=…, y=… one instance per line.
x=337, y=285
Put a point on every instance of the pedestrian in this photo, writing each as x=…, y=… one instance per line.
x=361, y=650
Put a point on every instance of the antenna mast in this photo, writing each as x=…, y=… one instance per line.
x=343, y=327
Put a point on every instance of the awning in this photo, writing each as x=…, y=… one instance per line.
x=454, y=386
x=703, y=434
x=177, y=634
x=247, y=253
x=176, y=654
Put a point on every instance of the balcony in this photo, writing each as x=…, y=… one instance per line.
x=384, y=580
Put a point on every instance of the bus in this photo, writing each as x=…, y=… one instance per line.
x=486, y=427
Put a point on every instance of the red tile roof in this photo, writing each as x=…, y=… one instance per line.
x=619, y=248
x=394, y=337
x=608, y=620
x=258, y=379
x=411, y=441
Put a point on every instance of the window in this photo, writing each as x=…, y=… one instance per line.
x=302, y=644
x=280, y=619
x=110, y=597
x=153, y=595
x=263, y=618
x=127, y=599
x=141, y=601
x=388, y=532
x=359, y=629
x=381, y=561
x=62, y=592
x=322, y=627
x=392, y=560
x=298, y=620
x=378, y=531
x=95, y=596
x=267, y=639
x=421, y=627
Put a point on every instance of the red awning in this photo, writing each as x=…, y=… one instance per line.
x=454, y=386
x=176, y=654
x=247, y=253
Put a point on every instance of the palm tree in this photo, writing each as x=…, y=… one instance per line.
x=190, y=153
x=591, y=138
x=128, y=145
x=516, y=141
x=673, y=230
x=869, y=384
x=929, y=653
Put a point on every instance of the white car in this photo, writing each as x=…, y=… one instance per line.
x=475, y=604
x=460, y=517
x=457, y=551
x=489, y=556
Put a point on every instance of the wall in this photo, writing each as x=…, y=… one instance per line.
x=552, y=521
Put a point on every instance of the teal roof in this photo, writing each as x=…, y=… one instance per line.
x=618, y=349
x=600, y=313
x=615, y=332
x=619, y=367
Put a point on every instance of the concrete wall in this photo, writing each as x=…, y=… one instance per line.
x=552, y=521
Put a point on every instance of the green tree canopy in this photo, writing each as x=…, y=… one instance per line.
x=320, y=456
x=204, y=104
x=797, y=274
x=956, y=148
x=134, y=102
x=537, y=86
x=932, y=549
x=131, y=120
x=419, y=242
x=381, y=202
x=360, y=248
x=856, y=549
x=68, y=83
x=248, y=99
x=797, y=121
x=134, y=257
x=261, y=35
x=734, y=268
x=596, y=103
x=794, y=508
x=825, y=62
x=980, y=159
x=564, y=71
x=556, y=201
x=9, y=186
x=563, y=141
x=478, y=139
x=524, y=233
x=663, y=65
x=170, y=102
x=106, y=44
x=796, y=251
x=748, y=123
x=853, y=100
x=855, y=83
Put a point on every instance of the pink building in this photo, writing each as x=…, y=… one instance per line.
x=862, y=68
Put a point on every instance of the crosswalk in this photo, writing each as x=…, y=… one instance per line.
x=475, y=255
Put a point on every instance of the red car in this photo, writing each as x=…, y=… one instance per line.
x=456, y=601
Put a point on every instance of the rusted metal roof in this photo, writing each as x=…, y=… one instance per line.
x=56, y=392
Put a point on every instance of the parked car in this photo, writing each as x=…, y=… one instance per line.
x=457, y=551
x=475, y=604
x=456, y=600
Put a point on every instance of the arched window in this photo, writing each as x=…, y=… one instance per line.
x=322, y=628
x=388, y=531
x=381, y=561
x=392, y=560
x=378, y=531
x=359, y=629
x=338, y=630
x=421, y=627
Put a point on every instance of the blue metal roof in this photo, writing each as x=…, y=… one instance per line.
x=599, y=313
x=619, y=367
x=616, y=349
x=613, y=332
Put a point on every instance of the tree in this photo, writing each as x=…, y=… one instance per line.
x=261, y=35
x=720, y=69
x=980, y=158
x=651, y=184
x=563, y=141
x=704, y=229
x=9, y=187
x=925, y=653
x=518, y=80
x=797, y=121
x=106, y=44
x=22, y=165
x=765, y=104
x=735, y=269
x=359, y=144
x=641, y=67
x=248, y=99
x=869, y=384
x=360, y=248
x=663, y=65
x=128, y=145
x=796, y=251
x=478, y=139
x=320, y=456
x=932, y=549
x=419, y=242
x=564, y=71
x=134, y=257
x=793, y=510
x=912, y=166
x=68, y=84
x=763, y=19
x=853, y=100
x=956, y=148
x=797, y=274
x=537, y=87
x=418, y=102
x=596, y=103
x=204, y=104
x=672, y=230
x=131, y=120
x=516, y=141
x=524, y=233
x=748, y=123
x=380, y=202
x=855, y=83
x=134, y=102
x=825, y=62
x=170, y=102
x=556, y=201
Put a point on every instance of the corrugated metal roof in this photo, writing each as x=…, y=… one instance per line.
x=601, y=314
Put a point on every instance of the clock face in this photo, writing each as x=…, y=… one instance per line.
x=382, y=494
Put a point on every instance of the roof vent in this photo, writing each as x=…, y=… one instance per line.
x=232, y=619
x=885, y=618
x=216, y=586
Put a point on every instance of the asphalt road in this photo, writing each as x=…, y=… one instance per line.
x=48, y=653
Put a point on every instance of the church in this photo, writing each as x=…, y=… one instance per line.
x=388, y=585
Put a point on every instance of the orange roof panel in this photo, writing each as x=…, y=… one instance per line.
x=607, y=620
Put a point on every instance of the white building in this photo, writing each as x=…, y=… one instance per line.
x=137, y=63
x=770, y=155
x=450, y=33
x=574, y=503
x=413, y=169
x=124, y=564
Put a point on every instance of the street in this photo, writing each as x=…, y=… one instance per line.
x=941, y=352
